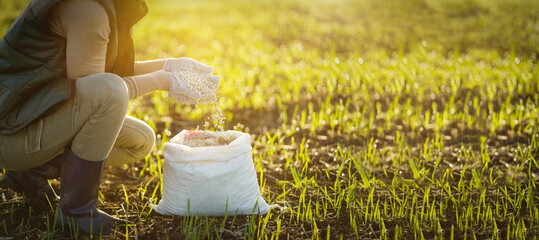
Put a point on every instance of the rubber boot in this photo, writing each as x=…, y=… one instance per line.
x=34, y=182
x=79, y=189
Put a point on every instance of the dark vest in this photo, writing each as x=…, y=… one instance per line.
x=33, y=80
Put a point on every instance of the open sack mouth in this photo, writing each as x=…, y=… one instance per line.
x=206, y=138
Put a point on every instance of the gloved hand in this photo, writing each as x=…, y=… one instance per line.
x=177, y=86
x=179, y=91
x=183, y=64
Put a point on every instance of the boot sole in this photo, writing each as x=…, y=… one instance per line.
x=104, y=231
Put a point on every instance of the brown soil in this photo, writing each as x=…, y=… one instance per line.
x=22, y=221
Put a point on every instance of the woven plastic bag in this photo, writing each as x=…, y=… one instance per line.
x=210, y=181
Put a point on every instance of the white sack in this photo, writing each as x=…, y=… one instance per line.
x=206, y=177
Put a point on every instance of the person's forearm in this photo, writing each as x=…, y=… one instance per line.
x=143, y=67
x=141, y=84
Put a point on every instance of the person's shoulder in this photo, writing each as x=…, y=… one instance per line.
x=87, y=12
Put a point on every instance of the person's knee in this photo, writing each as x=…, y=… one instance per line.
x=114, y=88
x=148, y=141
x=138, y=144
x=138, y=137
x=107, y=88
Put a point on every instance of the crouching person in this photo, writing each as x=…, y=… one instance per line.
x=67, y=72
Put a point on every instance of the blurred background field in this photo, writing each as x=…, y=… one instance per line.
x=369, y=119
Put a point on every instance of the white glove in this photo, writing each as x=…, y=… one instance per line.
x=177, y=87
x=179, y=91
x=183, y=64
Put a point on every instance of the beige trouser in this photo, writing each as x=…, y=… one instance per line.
x=93, y=122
